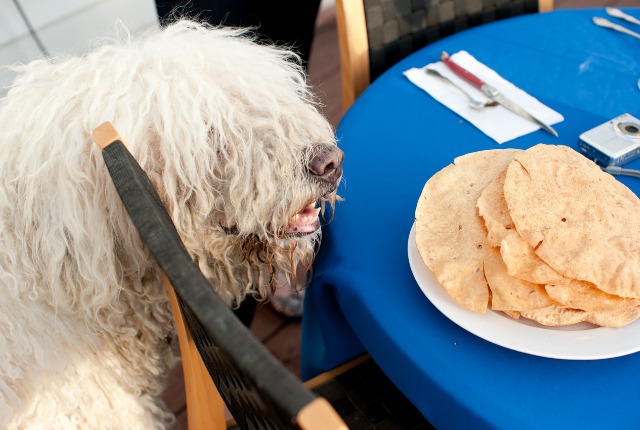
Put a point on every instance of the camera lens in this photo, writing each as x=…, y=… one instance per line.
x=629, y=129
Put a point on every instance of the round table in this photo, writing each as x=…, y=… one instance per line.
x=364, y=297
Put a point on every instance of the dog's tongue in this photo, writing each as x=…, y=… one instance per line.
x=305, y=221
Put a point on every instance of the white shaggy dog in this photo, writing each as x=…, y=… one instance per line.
x=231, y=138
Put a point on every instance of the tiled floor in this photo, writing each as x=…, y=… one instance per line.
x=281, y=335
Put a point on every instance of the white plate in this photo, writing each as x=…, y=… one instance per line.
x=582, y=341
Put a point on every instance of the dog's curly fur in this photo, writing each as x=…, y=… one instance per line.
x=225, y=129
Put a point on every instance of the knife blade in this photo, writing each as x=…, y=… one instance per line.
x=493, y=93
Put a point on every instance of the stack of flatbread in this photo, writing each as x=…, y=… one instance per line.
x=541, y=233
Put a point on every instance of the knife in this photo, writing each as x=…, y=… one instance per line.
x=493, y=93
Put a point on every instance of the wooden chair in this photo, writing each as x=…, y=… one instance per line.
x=223, y=362
x=258, y=390
x=375, y=34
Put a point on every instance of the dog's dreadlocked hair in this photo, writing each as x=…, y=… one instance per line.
x=224, y=128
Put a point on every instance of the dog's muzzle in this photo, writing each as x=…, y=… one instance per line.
x=326, y=165
x=326, y=168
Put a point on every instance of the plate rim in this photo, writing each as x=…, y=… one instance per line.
x=548, y=342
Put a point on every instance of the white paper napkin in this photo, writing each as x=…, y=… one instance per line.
x=496, y=122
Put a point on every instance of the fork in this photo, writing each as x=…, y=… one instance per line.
x=473, y=102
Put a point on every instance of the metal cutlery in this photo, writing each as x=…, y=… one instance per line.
x=617, y=13
x=473, y=102
x=603, y=22
x=493, y=93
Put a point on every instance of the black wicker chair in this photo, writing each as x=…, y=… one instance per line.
x=258, y=390
x=376, y=34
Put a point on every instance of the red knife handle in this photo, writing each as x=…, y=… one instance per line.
x=473, y=79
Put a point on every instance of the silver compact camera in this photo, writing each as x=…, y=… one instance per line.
x=613, y=143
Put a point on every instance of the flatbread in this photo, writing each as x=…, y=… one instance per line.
x=542, y=234
x=581, y=221
x=522, y=262
x=509, y=293
x=613, y=319
x=450, y=236
x=520, y=258
x=493, y=209
x=585, y=296
x=556, y=315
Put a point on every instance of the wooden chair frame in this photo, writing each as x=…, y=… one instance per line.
x=205, y=407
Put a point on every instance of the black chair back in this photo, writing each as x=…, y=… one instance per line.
x=397, y=28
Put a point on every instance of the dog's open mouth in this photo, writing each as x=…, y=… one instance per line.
x=305, y=222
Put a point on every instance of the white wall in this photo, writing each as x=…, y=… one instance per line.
x=326, y=4
x=65, y=26
x=68, y=26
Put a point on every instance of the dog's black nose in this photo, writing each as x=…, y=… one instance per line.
x=327, y=164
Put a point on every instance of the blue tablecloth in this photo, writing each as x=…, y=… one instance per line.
x=364, y=297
